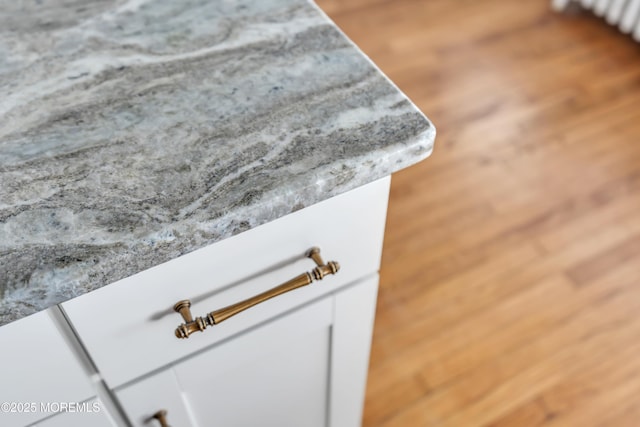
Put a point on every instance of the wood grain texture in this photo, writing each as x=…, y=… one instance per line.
x=511, y=267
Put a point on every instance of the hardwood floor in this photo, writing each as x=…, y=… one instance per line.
x=510, y=292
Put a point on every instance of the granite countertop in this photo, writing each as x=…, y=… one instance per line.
x=132, y=132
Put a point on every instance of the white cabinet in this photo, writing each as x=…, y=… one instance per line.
x=128, y=327
x=41, y=369
x=297, y=359
x=300, y=370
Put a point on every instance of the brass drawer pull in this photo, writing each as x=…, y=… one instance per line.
x=192, y=325
x=161, y=416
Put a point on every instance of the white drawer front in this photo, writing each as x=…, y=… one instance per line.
x=39, y=370
x=128, y=327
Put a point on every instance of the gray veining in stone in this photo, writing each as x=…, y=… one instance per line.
x=132, y=132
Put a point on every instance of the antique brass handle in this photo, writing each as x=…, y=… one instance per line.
x=192, y=325
x=161, y=416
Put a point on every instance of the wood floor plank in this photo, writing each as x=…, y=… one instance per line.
x=489, y=392
x=511, y=262
x=531, y=414
x=592, y=387
x=626, y=416
x=452, y=353
x=601, y=263
x=448, y=302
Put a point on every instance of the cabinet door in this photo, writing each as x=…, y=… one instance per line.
x=39, y=367
x=304, y=369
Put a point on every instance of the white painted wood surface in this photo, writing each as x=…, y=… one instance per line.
x=614, y=13
x=38, y=366
x=636, y=30
x=158, y=392
x=305, y=369
x=350, y=348
x=630, y=17
x=601, y=6
x=99, y=418
x=559, y=4
x=273, y=376
x=128, y=327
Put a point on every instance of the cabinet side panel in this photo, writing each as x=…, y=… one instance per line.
x=352, y=329
x=36, y=360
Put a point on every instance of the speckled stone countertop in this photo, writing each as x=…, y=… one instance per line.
x=132, y=132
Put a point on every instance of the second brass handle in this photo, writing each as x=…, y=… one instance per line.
x=161, y=416
x=192, y=325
